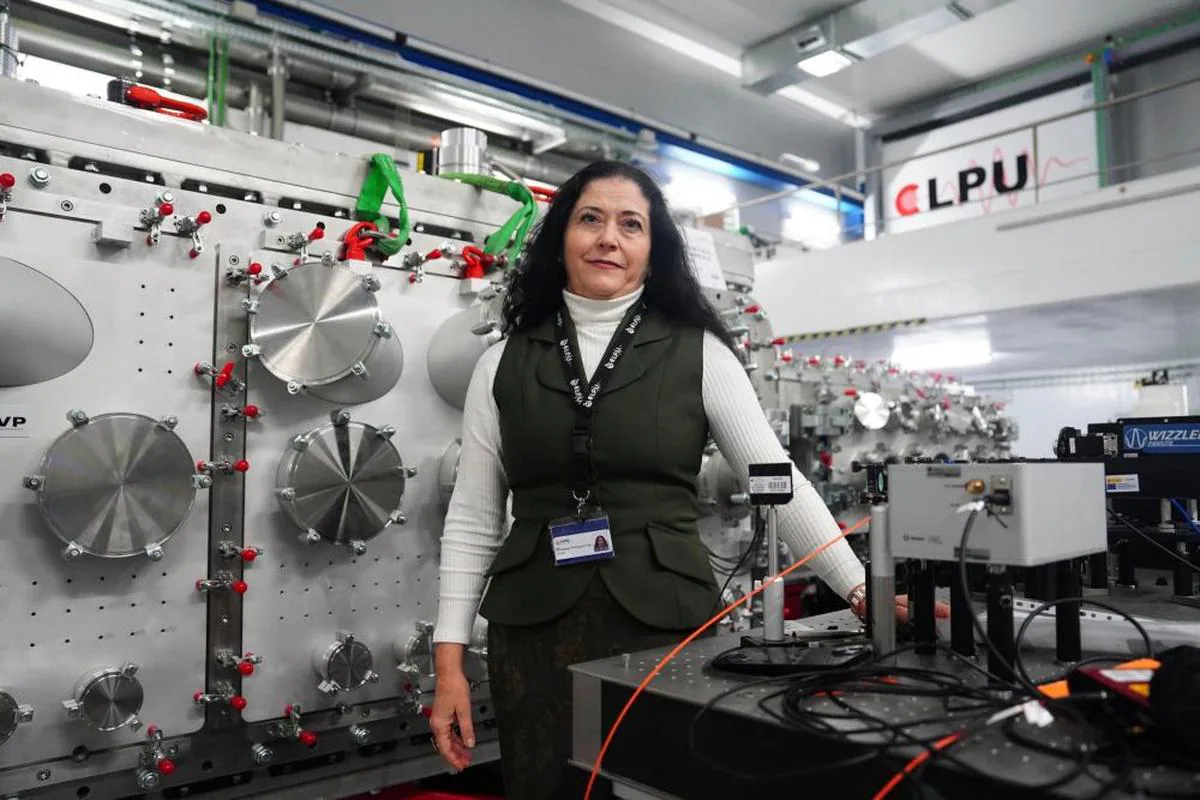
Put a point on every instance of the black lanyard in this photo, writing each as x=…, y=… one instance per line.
x=584, y=393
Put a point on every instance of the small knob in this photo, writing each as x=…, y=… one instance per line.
x=238, y=703
x=241, y=465
x=248, y=554
x=779, y=341
x=307, y=738
x=7, y=180
x=751, y=310
x=317, y=232
x=255, y=268
x=165, y=766
x=166, y=210
x=251, y=411
x=245, y=668
x=203, y=218
x=239, y=586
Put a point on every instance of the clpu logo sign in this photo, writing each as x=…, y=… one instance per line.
x=908, y=198
x=13, y=425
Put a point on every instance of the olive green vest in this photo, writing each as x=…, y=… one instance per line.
x=648, y=435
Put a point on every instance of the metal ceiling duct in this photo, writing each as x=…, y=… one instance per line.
x=376, y=126
x=855, y=33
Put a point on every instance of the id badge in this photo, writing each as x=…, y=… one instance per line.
x=578, y=540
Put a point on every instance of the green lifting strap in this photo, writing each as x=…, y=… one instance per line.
x=510, y=238
x=382, y=176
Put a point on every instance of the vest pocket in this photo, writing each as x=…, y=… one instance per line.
x=681, y=553
x=518, y=546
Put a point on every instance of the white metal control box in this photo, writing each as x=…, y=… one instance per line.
x=1044, y=511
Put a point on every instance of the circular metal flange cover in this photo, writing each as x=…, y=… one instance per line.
x=117, y=484
x=10, y=716
x=382, y=372
x=871, y=411
x=344, y=481
x=346, y=664
x=109, y=699
x=315, y=323
x=45, y=329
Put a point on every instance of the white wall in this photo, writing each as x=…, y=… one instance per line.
x=1042, y=411
x=558, y=45
x=1122, y=239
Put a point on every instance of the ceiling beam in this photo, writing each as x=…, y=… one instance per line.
x=855, y=33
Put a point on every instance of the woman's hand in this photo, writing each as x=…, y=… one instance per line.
x=858, y=604
x=450, y=719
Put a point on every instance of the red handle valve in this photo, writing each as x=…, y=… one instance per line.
x=203, y=218
x=317, y=232
x=165, y=210
x=151, y=730
x=433, y=255
x=839, y=361
x=779, y=341
x=786, y=356
x=946, y=403
x=165, y=766
x=198, y=697
x=238, y=703
x=249, y=554
x=287, y=710
x=202, y=466
x=241, y=465
x=814, y=361
x=751, y=310
x=307, y=738
x=893, y=371
x=251, y=411
x=921, y=393
x=245, y=668
x=851, y=393
x=826, y=458
x=239, y=586
x=7, y=180
x=255, y=268
x=224, y=376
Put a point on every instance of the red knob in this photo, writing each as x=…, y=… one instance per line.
x=250, y=411
x=197, y=697
x=779, y=341
x=225, y=375
x=316, y=233
x=952, y=379
x=245, y=668
x=751, y=310
x=826, y=458
x=241, y=465
x=842, y=526
x=937, y=377
x=839, y=361
x=893, y=371
x=193, y=253
x=851, y=393
x=201, y=466
x=249, y=554
x=255, y=268
x=433, y=255
x=165, y=766
x=946, y=403
x=287, y=710
x=151, y=730
x=426, y=711
x=921, y=393
x=203, y=218
x=786, y=357
x=307, y=738
x=166, y=210
x=814, y=361
x=239, y=586
x=487, y=259
x=238, y=703
x=7, y=180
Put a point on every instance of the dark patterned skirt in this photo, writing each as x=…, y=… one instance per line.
x=531, y=688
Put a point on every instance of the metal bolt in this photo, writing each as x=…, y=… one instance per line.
x=147, y=779
x=173, y=750
x=262, y=754
x=227, y=527
x=43, y=775
x=410, y=472
x=224, y=619
x=273, y=218
x=154, y=552
x=39, y=177
x=360, y=734
x=234, y=261
x=67, y=205
x=228, y=437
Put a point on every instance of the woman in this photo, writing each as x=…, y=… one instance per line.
x=594, y=413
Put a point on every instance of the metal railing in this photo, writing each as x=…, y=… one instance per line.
x=1103, y=174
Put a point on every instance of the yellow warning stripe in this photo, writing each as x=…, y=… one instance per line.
x=881, y=328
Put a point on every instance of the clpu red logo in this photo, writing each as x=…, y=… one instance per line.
x=908, y=200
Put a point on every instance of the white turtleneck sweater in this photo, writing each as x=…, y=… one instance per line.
x=478, y=509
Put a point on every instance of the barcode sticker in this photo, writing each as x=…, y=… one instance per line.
x=770, y=484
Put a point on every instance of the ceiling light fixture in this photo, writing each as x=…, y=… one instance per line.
x=822, y=106
x=926, y=352
x=825, y=63
x=807, y=164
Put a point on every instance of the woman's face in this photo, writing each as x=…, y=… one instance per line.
x=606, y=247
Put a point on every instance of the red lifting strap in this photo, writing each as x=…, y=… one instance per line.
x=147, y=98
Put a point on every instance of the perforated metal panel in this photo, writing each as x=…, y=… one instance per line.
x=152, y=312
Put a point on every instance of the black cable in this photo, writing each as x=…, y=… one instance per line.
x=1026, y=685
x=759, y=527
x=1151, y=540
x=1020, y=637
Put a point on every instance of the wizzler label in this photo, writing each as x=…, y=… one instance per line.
x=1179, y=437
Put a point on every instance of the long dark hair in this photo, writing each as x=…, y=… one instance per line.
x=535, y=290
